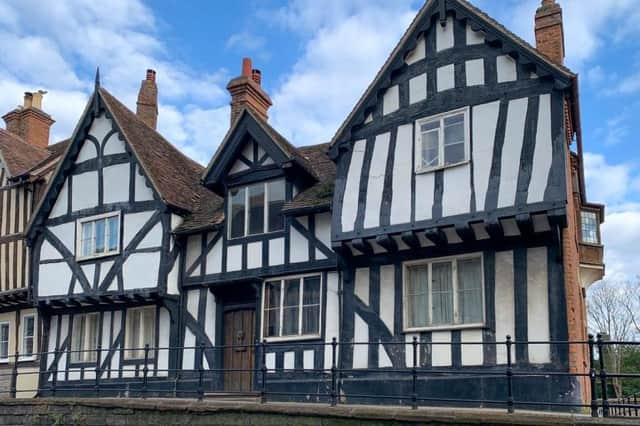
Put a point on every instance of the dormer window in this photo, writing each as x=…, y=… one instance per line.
x=255, y=209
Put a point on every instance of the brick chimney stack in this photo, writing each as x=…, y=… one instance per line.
x=549, y=31
x=147, y=105
x=29, y=121
x=246, y=92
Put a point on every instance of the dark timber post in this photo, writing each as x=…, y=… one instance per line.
x=263, y=371
x=509, y=376
x=96, y=385
x=145, y=371
x=334, y=350
x=592, y=377
x=14, y=375
x=54, y=377
x=414, y=375
x=603, y=377
x=201, y=373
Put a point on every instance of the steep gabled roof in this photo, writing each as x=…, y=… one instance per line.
x=18, y=155
x=479, y=21
x=174, y=176
x=248, y=122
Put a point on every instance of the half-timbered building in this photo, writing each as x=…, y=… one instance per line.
x=26, y=162
x=447, y=213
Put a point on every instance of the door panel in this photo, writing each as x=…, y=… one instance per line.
x=239, y=329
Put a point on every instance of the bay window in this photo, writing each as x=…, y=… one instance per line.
x=442, y=140
x=291, y=307
x=256, y=208
x=84, y=338
x=98, y=236
x=444, y=293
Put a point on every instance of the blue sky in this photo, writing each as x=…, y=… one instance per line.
x=317, y=57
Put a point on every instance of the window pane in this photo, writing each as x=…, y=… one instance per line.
x=78, y=338
x=417, y=297
x=4, y=341
x=272, y=309
x=291, y=307
x=87, y=239
x=589, y=222
x=256, y=209
x=236, y=215
x=100, y=233
x=27, y=336
x=276, y=201
x=442, y=294
x=149, y=332
x=114, y=234
x=430, y=148
x=311, y=294
x=454, y=139
x=311, y=319
x=92, y=338
x=133, y=333
x=469, y=291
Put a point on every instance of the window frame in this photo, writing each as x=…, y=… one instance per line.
x=6, y=323
x=598, y=241
x=300, y=305
x=129, y=354
x=454, y=288
x=84, y=351
x=23, y=340
x=80, y=222
x=440, y=118
x=265, y=225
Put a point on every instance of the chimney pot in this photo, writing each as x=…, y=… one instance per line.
x=28, y=100
x=30, y=122
x=549, y=31
x=246, y=67
x=151, y=75
x=256, y=76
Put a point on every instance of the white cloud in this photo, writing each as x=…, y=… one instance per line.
x=606, y=183
x=340, y=58
x=246, y=40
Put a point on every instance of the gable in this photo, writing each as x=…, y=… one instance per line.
x=252, y=155
x=449, y=46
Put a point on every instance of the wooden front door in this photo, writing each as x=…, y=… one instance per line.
x=239, y=328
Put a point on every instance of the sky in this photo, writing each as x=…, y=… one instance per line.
x=317, y=58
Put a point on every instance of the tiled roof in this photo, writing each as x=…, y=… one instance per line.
x=20, y=156
x=320, y=194
x=174, y=175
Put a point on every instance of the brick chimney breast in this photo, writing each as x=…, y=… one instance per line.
x=29, y=121
x=147, y=104
x=246, y=92
x=549, y=31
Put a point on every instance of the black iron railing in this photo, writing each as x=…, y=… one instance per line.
x=92, y=374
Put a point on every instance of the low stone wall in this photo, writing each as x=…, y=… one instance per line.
x=112, y=411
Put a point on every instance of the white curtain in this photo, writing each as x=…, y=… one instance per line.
x=417, y=297
x=469, y=291
x=442, y=293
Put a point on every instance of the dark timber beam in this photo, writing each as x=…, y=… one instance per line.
x=465, y=232
x=436, y=236
x=494, y=228
x=525, y=224
x=362, y=246
x=411, y=239
x=387, y=243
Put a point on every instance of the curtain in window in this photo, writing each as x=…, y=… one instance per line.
x=114, y=233
x=291, y=306
x=92, y=338
x=311, y=305
x=133, y=333
x=469, y=291
x=27, y=337
x=417, y=298
x=99, y=231
x=442, y=294
x=272, y=309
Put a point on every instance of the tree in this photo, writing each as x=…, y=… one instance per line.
x=613, y=310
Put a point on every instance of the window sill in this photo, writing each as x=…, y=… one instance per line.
x=291, y=338
x=590, y=244
x=4, y=361
x=445, y=328
x=96, y=256
x=421, y=170
x=256, y=237
x=26, y=358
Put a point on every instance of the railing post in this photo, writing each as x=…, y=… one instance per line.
x=97, y=379
x=414, y=375
x=54, y=378
x=145, y=371
x=201, y=373
x=635, y=402
x=509, y=376
x=263, y=371
x=603, y=378
x=592, y=377
x=14, y=375
x=334, y=394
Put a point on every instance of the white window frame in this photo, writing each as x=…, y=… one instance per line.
x=265, y=225
x=440, y=117
x=597, y=230
x=8, y=324
x=88, y=355
x=130, y=354
x=23, y=337
x=298, y=336
x=454, y=272
x=84, y=220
